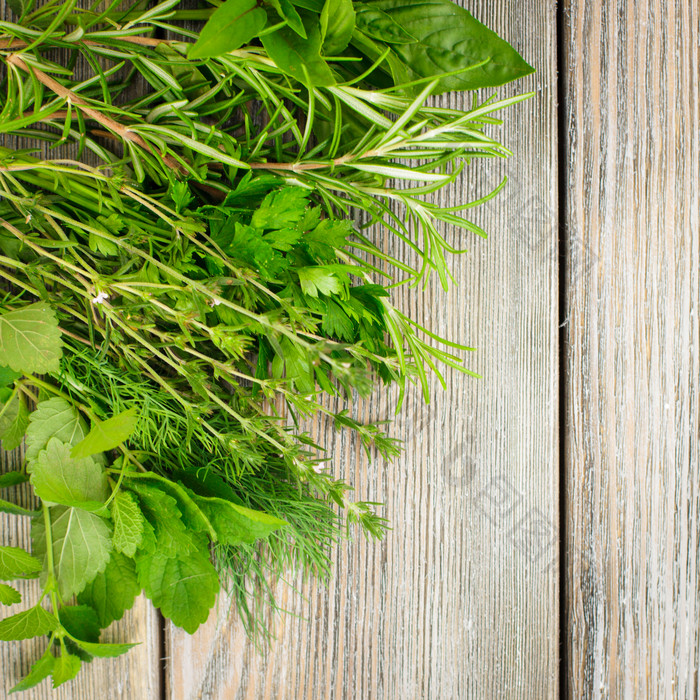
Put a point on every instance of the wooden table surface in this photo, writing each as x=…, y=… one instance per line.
x=546, y=517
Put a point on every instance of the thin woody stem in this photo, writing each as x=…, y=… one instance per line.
x=109, y=123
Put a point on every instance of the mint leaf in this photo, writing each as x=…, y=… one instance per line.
x=30, y=340
x=14, y=418
x=183, y=587
x=9, y=595
x=53, y=418
x=108, y=434
x=233, y=24
x=81, y=546
x=34, y=622
x=57, y=478
x=113, y=591
x=236, y=524
x=16, y=563
x=105, y=650
x=128, y=523
x=65, y=668
x=40, y=670
x=315, y=280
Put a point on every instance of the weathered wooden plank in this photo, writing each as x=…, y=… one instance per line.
x=633, y=350
x=460, y=601
x=134, y=675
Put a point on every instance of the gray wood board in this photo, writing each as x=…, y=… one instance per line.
x=633, y=349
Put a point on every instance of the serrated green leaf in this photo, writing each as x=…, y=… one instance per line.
x=318, y=280
x=108, y=434
x=128, y=523
x=281, y=208
x=58, y=478
x=105, y=650
x=9, y=595
x=113, y=591
x=337, y=26
x=235, y=524
x=34, y=622
x=81, y=546
x=300, y=58
x=53, y=418
x=449, y=39
x=17, y=563
x=30, y=340
x=232, y=25
x=65, y=668
x=14, y=418
x=40, y=670
x=183, y=587
x=12, y=479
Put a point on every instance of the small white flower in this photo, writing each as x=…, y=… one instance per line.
x=214, y=302
x=318, y=468
x=101, y=298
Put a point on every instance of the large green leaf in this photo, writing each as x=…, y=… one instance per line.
x=379, y=25
x=108, y=434
x=300, y=58
x=81, y=546
x=58, y=478
x=113, y=591
x=53, y=418
x=183, y=587
x=449, y=39
x=30, y=340
x=232, y=25
x=34, y=622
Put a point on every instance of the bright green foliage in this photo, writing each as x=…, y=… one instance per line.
x=113, y=591
x=30, y=340
x=27, y=624
x=53, y=418
x=128, y=523
x=40, y=670
x=16, y=563
x=14, y=418
x=81, y=546
x=58, y=478
x=9, y=595
x=65, y=668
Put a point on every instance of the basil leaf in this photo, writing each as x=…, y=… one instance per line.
x=379, y=25
x=232, y=25
x=449, y=39
x=287, y=12
x=300, y=58
x=337, y=26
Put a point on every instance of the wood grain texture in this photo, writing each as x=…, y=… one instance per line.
x=460, y=601
x=134, y=675
x=633, y=350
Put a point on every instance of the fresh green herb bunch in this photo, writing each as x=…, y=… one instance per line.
x=187, y=286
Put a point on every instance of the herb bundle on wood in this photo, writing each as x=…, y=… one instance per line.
x=187, y=283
